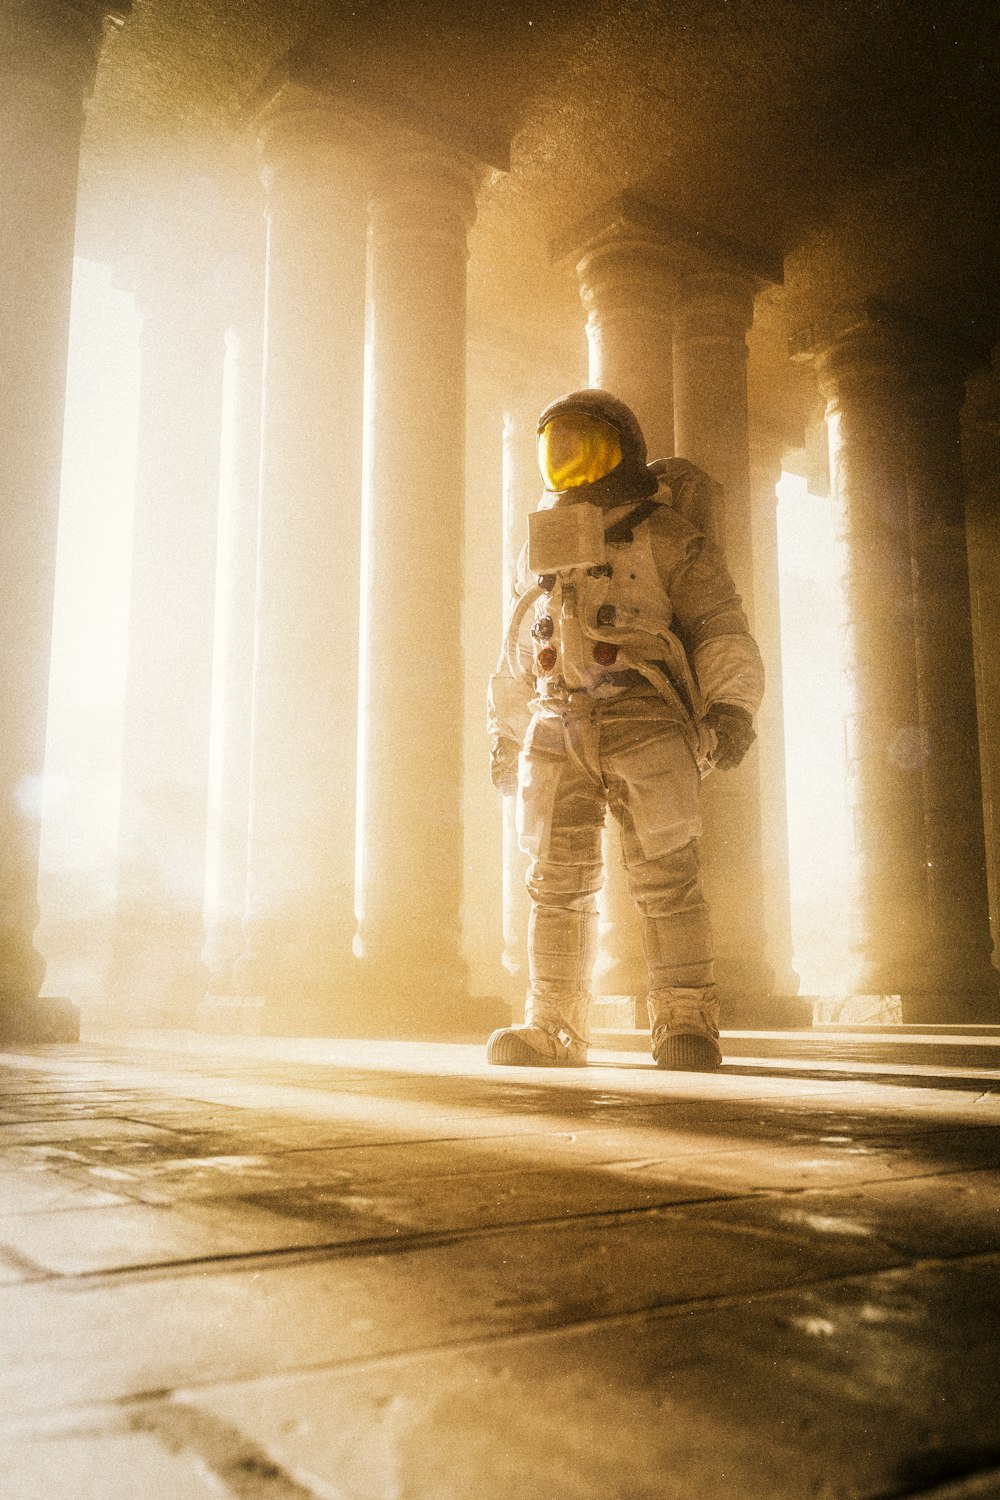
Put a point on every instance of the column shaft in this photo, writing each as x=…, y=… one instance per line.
x=714, y=312
x=482, y=816
x=521, y=488
x=157, y=971
x=50, y=53
x=236, y=596
x=981, y=453
x=412, y=889
x=627, y=285
x=958, y=977
x=765, y=472
x=862, y=378
x=300, y=894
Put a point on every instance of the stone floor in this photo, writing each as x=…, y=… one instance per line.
x=376, y=1271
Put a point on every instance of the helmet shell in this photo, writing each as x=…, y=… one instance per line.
x=629, y=480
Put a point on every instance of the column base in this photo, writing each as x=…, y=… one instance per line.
x=761, y=1013
x=618, y=1013
x=957, y=1007
x=327, y=1011
x=746, y=988
x=38, y=1022
x=231, y=1015
x=857, y=1010
x=766, y=1012
x=156, y=975
x=293, y=979
x=621, y=979
x=426, y=1003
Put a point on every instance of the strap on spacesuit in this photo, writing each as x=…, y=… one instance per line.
x=700, y=737
x=521, y=608
x=666, y=682
x=621, y=531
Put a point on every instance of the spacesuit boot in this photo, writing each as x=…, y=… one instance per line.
x=550, y=1037
x=685, y=1029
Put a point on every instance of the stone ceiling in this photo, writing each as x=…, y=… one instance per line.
x=856, y=138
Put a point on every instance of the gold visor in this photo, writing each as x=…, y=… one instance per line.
x=575, y=449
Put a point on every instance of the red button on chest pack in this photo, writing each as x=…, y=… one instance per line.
x=605, y=654
x=547, y=658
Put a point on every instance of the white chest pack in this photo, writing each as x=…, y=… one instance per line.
x=601, y=606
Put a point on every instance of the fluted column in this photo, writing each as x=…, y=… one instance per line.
x=47, y=70
x=627, y=285
x=862, y=376
x=765, y=472
x=300, y=888
x=714, y=313
x=958, y=982
x=236, y=593
x=157, y=974
x=422, y=208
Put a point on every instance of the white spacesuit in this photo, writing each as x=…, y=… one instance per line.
x=628, y=671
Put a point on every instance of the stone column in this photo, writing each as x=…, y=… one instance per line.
x=981, y=453
x=765, y=472
x=862, y=376
x=627, y=285
x=236, y=595
x=714, y=313
x=300, y=893
x=157, y=975
x=957, y=982
x=422, y=209
x=46, y=72
x=521, y=490
x=482, y=609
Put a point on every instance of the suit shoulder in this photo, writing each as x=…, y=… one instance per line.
x=669, y=528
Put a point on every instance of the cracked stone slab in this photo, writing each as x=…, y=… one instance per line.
x=72, y=1340
x=942, y=1215
x=69, y=1464
x=881, y=1386
x=87, y=1241
x=41, y=1191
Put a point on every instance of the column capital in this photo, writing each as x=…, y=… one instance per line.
x=716, y=304
x=863, y=357
x=691, y=247
x=52, y=46
x=628, y=272
x=300, y=129
x=423, y=189
x=877, y=344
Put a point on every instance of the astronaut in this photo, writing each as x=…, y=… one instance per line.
x=628, y=672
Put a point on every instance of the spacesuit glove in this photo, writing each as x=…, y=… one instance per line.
x=503, y=763
x=734, y=734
